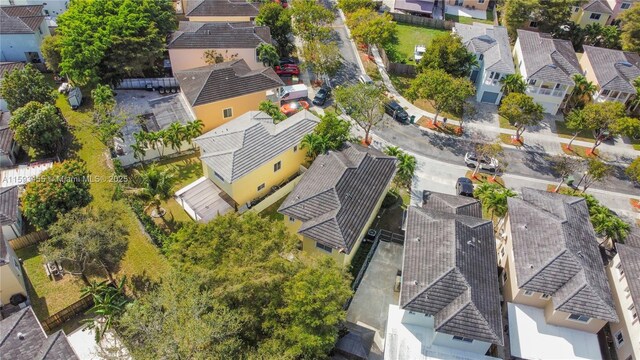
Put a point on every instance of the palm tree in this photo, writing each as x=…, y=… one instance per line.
x=513, y=83
x=608, y=225
x=315, y=145
x=192, y=130
x=493, y=198
x=272, y=109
x=138, y=151
x=268, y=54
x=633, y=104
x=582, y=92
x=109, y=302
x=175, y=135
x=161, y=141
x=392, y=151
x=157, y=185
x=406, y=168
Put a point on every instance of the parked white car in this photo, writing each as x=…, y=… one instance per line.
x=486, y=163
x=418, y=52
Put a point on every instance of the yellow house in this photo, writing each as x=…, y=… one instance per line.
x=250, y=155
x=11, y=277
x=553, y=276
x=218, y=93
x=220, y=10
x=337, y=199
x=624, y=279
x=593, y=12
x=230, y=41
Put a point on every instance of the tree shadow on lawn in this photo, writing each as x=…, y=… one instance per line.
x=454, y=144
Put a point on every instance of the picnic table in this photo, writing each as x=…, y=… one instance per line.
x=53, y=269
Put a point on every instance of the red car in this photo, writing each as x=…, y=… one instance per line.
x=293, y=107
x=287, y=69
x=283, y=3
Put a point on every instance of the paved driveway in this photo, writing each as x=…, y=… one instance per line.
x=370, y=305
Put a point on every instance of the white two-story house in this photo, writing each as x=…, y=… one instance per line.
x=22, y=29
x=491, y=46
x=548, y=66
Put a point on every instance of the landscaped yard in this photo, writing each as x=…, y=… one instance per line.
x=272, y=211
x=564, y=132
x=504, y=123
x=402, y=83
x=468, y=20
x=408, y=37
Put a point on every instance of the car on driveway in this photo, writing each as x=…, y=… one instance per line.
x=288, y=61
x=464, y=187
x=293, y=107
x=321, y=96
x=396, y=111
x=486, y=163
x=287, y=69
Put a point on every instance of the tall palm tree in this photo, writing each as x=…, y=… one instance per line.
x=513, y=83
x=192, y=130
x=392, y=151
x=608, y=225
x=109, y=302
x=315, y=145
x=161, y=141
x=406, y=169
x=582, y=92
x=493, y=198
x=157, y=185
x=268, y=54
x=272, y=109
x=175, y=135
x=138, y=151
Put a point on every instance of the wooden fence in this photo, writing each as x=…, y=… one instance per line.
x=29, y=239
x=62, y=316
x=396, y=68
x=422, y=21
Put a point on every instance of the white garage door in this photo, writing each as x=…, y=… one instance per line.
x=549, y=108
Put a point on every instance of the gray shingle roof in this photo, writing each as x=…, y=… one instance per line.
x=8, y=205
x=452, y=204
x=614, y=69
x=338, y=193
x=556, y=252
x=548, y=59
x=226, y=80
x=630, y=260
x=6, y=134
x=201, y=35
x=450, y=272
x=247, y=142
x=34, y=343
x=221, y=8
x=491, y=41
x=5, y=67
x=22, y=19
x=597, y=6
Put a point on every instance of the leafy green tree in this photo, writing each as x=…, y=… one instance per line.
x=107, y=41
x=575, y=122
x=278, y=20
x=83, y=238
x=628, y=126
x=582, y=92
x=322, y=58
x=516, y=13
x=563, y=166
x=349, y=6
x=555, y=14
x=109, y=128
x=633, y=170
x=445, y=92
x=157, y=185
x=175, y=135
x=493, y=198
x=406, y=166
x=108, y=304
x=22, y=86
x=50, y=49
x=370, y=28
x=363, y=103
x=315, y=144
x=447, y=52
x=39, y=127
x=334, y=129
x=521, y=111
x=103, y=99
x=311, y=20
x=608, y=225
x=272, y=109
x=607, y=36
x=392, y=151
x=630, y=25
x=601, y=118
x=513, y=83
x=487, y=150
x=268, y=55
x=597, y=171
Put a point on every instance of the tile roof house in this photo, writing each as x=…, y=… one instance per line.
x=547, y=65
x=22, y=29
x=251, y=154
x=449, y=274
x=10, y=217
x=238, y=40
x=618, y=7
x=217, y=93
x=6, y=67
x=8, y=146
x=451, y=204
x=337, y=199
x=612, y=71
x=220, y=10
x=624, y=278
x=592, y=12
x=13, y=281
x=492, y=49
x=22, y=338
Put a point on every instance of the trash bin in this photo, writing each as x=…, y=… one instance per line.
x=570, y=180
x=412, y=119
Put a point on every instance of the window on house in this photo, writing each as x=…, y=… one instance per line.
x=261, y=186
x=544, y=296
x=295, y=148
x=481, y=57
x=464, y=339
x=227, y=113
x=634, y=313
x=528, y=293
x=533, y=24
x=625, y=6
x=324, y=247
x=620, y=270
x=504, y=277
x=578, y=317
x=627, y=292
x=502, y=252
x=604, y=92
x=480, y=1
x=532, y=81
x=277, y=166
x=619, y=339
x=218, y=176
x=595, y=16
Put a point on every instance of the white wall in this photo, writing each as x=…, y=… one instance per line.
x=152, y=154
x=54, y=7
x=446, y=340
x=14, y=46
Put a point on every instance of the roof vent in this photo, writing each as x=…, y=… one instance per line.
x=415, y=282
x=418, y=238
x=524, y=226
x=20, y=336
x=470, y=243
x=580, y=254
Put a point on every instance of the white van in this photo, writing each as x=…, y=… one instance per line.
x=292, y=92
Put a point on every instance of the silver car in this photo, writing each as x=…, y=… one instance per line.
x=486, y=163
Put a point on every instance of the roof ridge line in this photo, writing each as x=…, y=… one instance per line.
x=430, y=284
x=311, y=197
x=542, y=268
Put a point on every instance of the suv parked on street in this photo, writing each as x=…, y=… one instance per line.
x=486, y=163
x=396, y=111
x=464, y=187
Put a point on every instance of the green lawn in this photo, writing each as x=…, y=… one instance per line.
x=563, y=132
x=272, y=211
x=468, y=20
x=504, y=123
x=408, y=37
x=402, y=83
x=186, y=169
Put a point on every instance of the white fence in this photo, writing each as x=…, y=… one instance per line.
x=143, y=83
x=153, y=154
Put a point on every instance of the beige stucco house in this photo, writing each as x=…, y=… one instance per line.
x=11, y=278
x=612, y=71
x=219, y=93
x=231, y=41
x=220, y=10
x=592, y=12
x=472, y=4
x=337, y=199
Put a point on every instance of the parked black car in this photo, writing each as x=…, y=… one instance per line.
x=396, y=111
x=288, y=60
x=321, y=96
x=464, y=187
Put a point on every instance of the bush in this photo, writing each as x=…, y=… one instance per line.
x=157, y=235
